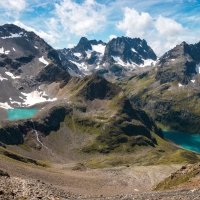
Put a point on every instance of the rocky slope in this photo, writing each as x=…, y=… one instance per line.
x=186, y=177
x=26, y=62
x=12, y=187
x=119, y=57
x=170, y=92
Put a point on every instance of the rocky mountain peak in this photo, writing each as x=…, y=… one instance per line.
x=83, y=45
x=11, y=30
x=180, y=63
x=96, y=87
x=128, y=50
x=26, y=62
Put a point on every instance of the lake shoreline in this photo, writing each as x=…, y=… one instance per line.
x=183, y=140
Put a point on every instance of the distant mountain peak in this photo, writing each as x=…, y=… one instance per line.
x=186, y=57
x=119, y=57
x=83, y=45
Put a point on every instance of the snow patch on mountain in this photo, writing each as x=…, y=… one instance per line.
x=5, y=106
x=180, y=85
x=119, y=61
x=81, y=66
x=132, y=49
x=198, y=68
x=99, y=48
x=14, y=102
x=14, y=49
x=11, y=75
x=4, y=52
x=88, y=52
x=77, y=54
x=35, y=97
x=2, y=78
x=43, y=60
x=13, y=35
x=148, y=62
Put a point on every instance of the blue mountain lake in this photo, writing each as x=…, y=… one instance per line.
x=185, y=140
x=20, y=113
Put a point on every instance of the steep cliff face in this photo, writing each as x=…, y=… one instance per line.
x=129, y=50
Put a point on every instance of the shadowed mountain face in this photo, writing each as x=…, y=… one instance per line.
x=170, y=92
x=119, y=57
x=180, y=63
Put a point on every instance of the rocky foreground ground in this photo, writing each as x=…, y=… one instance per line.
x=29, y=189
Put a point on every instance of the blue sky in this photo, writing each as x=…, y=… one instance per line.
x=62, y=23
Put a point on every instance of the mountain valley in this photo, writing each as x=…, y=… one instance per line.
x=100, y=106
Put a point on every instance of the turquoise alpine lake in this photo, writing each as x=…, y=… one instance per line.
x=20, y=113
x=185, y=140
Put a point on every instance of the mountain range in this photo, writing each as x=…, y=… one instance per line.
x=83, y=121
x=32, y=75
x=117, y=58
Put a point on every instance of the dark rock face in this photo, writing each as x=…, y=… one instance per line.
x=179, y=64
x=129, y=50
x=83, y=45
x=97, y=87
x=21, y=159
x=52, y=121
x=13, y=134
x=2, y=173
x=65, y=56
x=53, y=73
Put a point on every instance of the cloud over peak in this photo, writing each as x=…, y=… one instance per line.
x=13, y=5
x=168, y=32
x=81, y=19
x=135, y=24
x=169, y=27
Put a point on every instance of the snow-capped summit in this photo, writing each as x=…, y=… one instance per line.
x=118, y=57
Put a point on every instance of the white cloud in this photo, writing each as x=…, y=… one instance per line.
x=49, y=36
x=81, y=19
x=71, y=45
x=13, y=5
x=135, y=24
x=112, y=36
x=169, y=27
x=161, y=33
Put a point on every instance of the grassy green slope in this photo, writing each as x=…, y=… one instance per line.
x=173, y=106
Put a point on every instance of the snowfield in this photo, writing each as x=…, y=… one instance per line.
x=43, y=60
x=35, y=97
